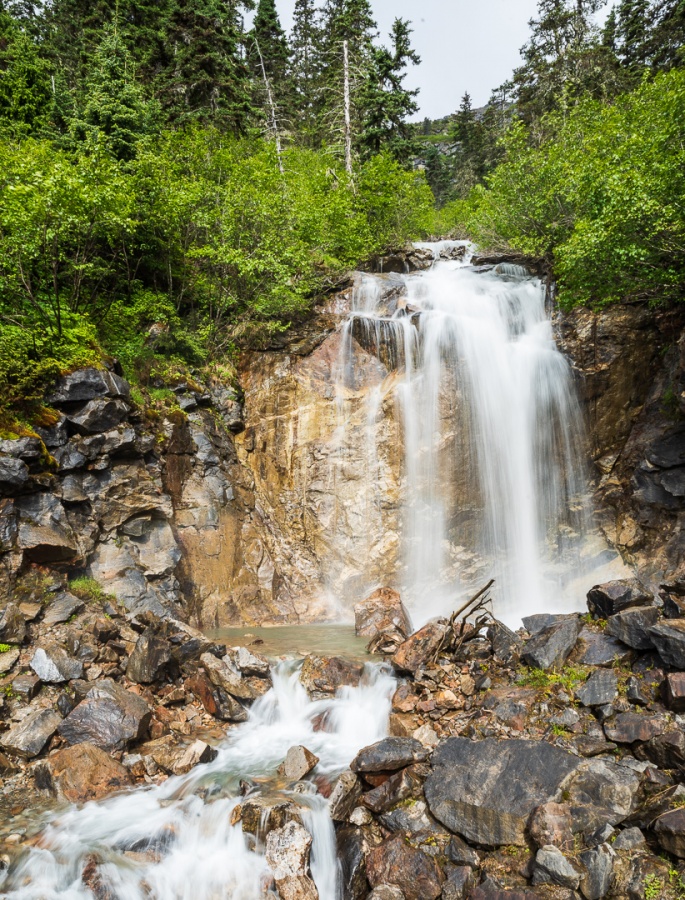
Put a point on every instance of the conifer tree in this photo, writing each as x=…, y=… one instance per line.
x=304, y=70
x=385, y=102
x=273, y=44
x=633, y=34
x=26, y=96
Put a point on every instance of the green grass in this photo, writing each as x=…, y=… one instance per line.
x=568, y=678
x=89, y=590
x=4, y=648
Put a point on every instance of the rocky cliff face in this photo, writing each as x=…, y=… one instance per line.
x=630, y=362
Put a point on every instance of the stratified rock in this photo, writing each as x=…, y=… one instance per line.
x=45, y=535
x=552, y=867
x=670, y=832
x=600, y=791
x=596, y=880
x=600, y=688
x=53, y=665
x=506, y=645
x=551, y=824
x=403, y=785
x=298, y=762
x=669, y=640
x=551, y=647
x=629, y=727
x=80, y=773
x=486, y=790
x=389, y=755
x=62, y=608
x=345, y=796
x=673, y=691
x=98, y=415
x=12, y=625
x=29, y=737
x=14, y=473
x=605, y=600
x=110, y=717
x=224, y=676
x=87, y=384
x=149, y=659
x=350, y=849
x=599, y=649
x=633, y=627
x=420, y=649
x=287, y=854
x=382, y=613
x=395, y=862
x=323, y=675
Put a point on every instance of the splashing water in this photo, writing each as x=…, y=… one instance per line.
x=175, y=841
x=493, y=441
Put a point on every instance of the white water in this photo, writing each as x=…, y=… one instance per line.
x=493, y=442
x=185, y=822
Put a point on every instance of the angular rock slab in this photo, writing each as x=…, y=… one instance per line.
x=669, y=640
x=382, y=611
x=599, y=649
x=81, y=773
x=62, y=608
x=389, y=755
x=633, y=627
x=322, y=676
x=53, y=665
x=673, y=691
x=670, y=832
x=419, y=649
x=287, y=854
x=395, y=862
x=29, y=737
x=150, y=657
x=629, y=727
x=298, y=762
x=600, y=688
x=552, y=867
x=550, y=648
x=110, y=717
x=605, y=600
x=486, y=790
x=87, y=384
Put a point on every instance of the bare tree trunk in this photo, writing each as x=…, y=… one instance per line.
x=348, y=118
x=272, y=108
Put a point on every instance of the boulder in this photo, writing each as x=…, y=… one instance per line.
x=403, y=785
x=81, y=773
x=596, y=880
x=260, y=814
x=176, y=757
x=62, y=608
x=506, y=645
x=459, y=852
x=150, y=657
x=98, y=415
x=551, y=647
x=44, y=535
x=386, y=892
x=605, y=600
x=382, y=613
x=12, y=625
x=630, y=839
x=249, y=663
x=411, y=818
x=28, y=738
x=673, y=691
x=323, y=676
x=420, y=649
x=109, y=717
x=351, y=847
x=598, y=792
x=670, y=832
x=629, y=727
x=389, y=755
x=345, y=796
x=599, y=649
x=552, y=825
x=222, y=675
x=53, y=665
x=633, y=627
x=87, y=384
x=536, y=623
x=215, y=700
x=667, y=750
x=486, y=790
x=287, y=854
x=298, y=762
x=600, y=688
x=14, y=473
x=8, y=659
x=669, y=640
x=552, y=867
x=395, y=862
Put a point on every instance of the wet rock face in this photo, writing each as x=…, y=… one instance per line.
x=322, y=676
x=109, y=717
x=397, y=863
x=82, y=773
x=287, y=854
x=486, y=790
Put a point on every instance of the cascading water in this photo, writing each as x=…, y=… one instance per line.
x=493, y=445
x=175, y=841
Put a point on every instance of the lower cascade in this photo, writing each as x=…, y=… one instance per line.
x=492, y=440
x=176, y=840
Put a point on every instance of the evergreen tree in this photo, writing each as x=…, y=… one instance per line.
x=304, y=70
x=206, y=78
x=116, y=112
x=633, y=34
x=439, y=174
x=666, y=41
x=26, y=96
x=268, y=34
x=386, y=102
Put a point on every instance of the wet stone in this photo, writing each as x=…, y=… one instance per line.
x=345, y=796
x=30, y=736
x=605, y=600
x=633, y=627
x=669, y=640
x=81, y=773
x=600, y=688
x=382, y=613
x=249, y=663
x=419, y=650
x=299, y=762
x=506, y=645
x=389, y=755
x=599, y=649
x=322, y=676
x=550, y=648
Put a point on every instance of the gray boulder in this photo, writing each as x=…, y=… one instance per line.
x=629, y=727
x=551, y=646
x=600, y=688
x=62, y=608
x=552, y=867
x=605, y=600
x=87, y=384
x=596, y=880
x=109, y=717
x=599, y=649
x=53, y=665
x=12, y=625
x=670, y=832
x=28, y=738
x=486, y=790
x=389, y=755
x=98, y=415
x=150, y=657
x=669, y=640
x=633, y=627
x=14, y=473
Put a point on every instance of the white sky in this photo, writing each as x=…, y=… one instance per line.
x=464, y=46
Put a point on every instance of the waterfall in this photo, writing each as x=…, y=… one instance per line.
x=493, y=447
x=175, y=841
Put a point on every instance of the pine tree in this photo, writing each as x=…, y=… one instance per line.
x=666, y=40
x=269, y=35
x=304, y=70
x=385, y=102
x=115, y=113
x=206, y=78
x=26, y=96
x=633, y=34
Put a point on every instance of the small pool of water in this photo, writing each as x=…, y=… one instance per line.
x=296, y=640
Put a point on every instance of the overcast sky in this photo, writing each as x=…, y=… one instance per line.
x=464, y=46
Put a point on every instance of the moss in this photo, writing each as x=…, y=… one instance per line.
x=89, y=590
x=5, y=648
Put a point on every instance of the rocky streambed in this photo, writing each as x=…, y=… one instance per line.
x=474, y=762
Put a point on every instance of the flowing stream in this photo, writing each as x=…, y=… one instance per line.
x=175, y=841
x=494, y=481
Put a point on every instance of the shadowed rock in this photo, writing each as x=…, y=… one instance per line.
x=669, y=640
x=551, y=647
x=395, y=862
x=605, y=600
x=389, y=755
x=110, y=717
x=633, y=627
